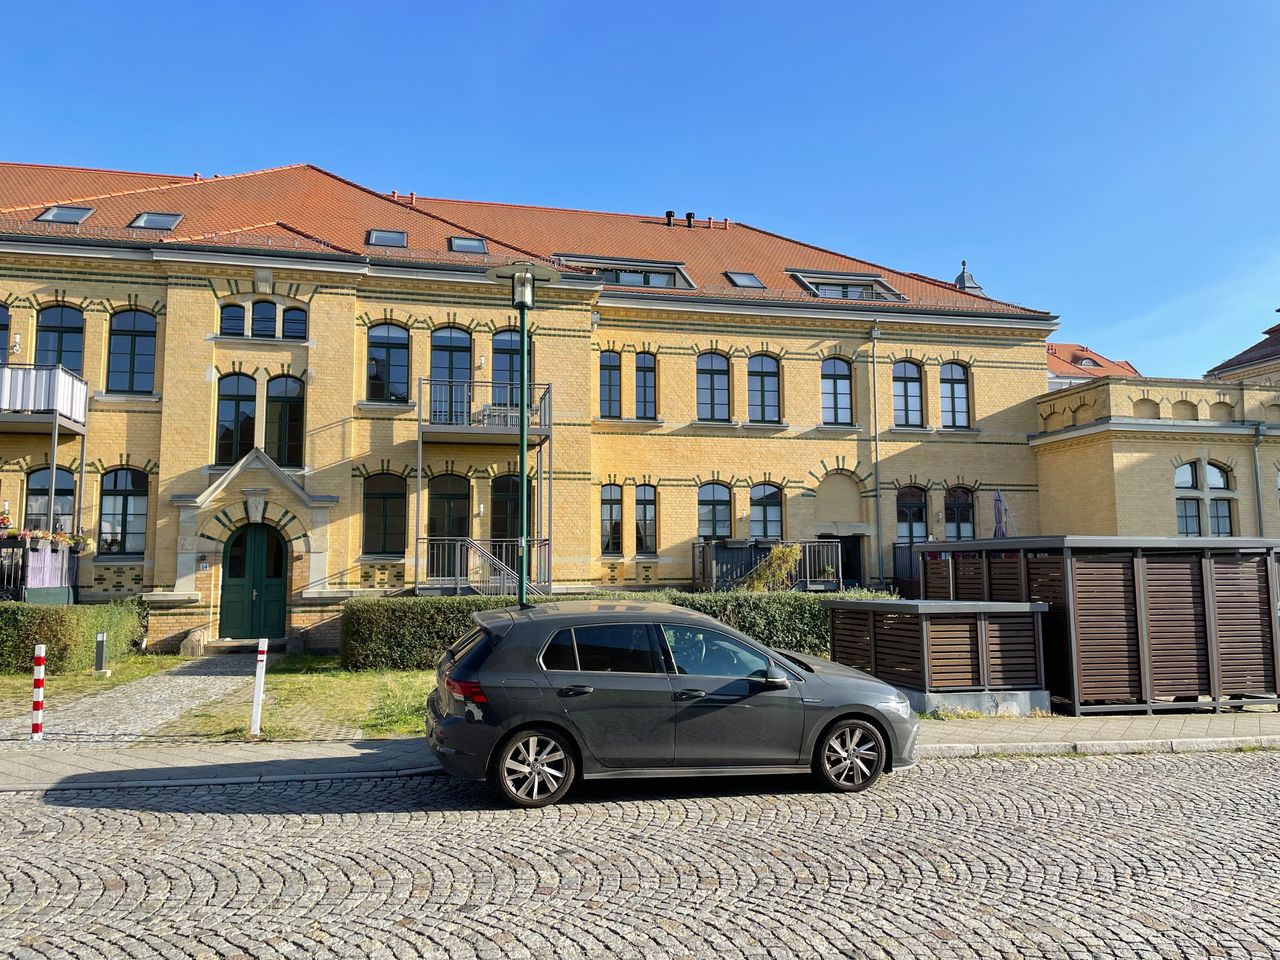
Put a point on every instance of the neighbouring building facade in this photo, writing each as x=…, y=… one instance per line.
x=259, y=395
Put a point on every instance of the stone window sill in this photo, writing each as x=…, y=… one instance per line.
x=627, y=421
x=384, y=406
x=257, y=341
x=722, y=424
x=960, y=430
x=910, y=430
x=125, y=398
x=119, y=559
x=381, y=558
x=764, y=425
x=839, y=427
x=218, y=469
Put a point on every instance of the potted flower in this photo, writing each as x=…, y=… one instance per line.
x=32, y=539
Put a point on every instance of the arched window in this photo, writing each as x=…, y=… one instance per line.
x=837, y=392
x=908, y=410
x=764, y=389
x=713, y=387
x=388, y=363
x=955, y=396
x=610, y=384
x=766, y=512
x=264, y=318
x=237, y=410
x=1218, y=478
x=1185, y=476
x=131, y=358
x=448, y=522
x=714, y=512
x=506, y=368
x=36, y=515
x=60, y=338
x=913, y=525
x=285, y=420
x=450, y=376
x=4, y=334
x=958, y=513
x=231, y=320
x=294, y=324
x=611, y=519
x=122, y=526
x=384, y=515
x=646, y=519
x=504, y=518
x=646, y=386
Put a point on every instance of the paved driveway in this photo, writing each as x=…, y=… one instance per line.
x=1153, y=856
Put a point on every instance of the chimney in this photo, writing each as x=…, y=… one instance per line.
x=413, y=199
x=196, y=175
x=688, y=219
x=726, y=223
x=709, y=226
x=394, y=195
x=671, y=215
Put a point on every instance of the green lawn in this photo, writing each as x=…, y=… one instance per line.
x=313, y=698
x=62, y=688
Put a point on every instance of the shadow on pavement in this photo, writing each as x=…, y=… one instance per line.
x=426, y=793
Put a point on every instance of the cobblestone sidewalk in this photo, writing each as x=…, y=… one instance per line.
x=130, y=711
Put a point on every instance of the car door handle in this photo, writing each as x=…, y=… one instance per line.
x=577, y=690
x=689, y=694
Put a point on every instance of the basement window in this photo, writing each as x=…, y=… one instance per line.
x=468, y=245
x=66, y=214
x=387, y=238
x=744, y=279
x=156, y=221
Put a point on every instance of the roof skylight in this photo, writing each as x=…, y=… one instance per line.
x=740, y=278
x=468, y=245
x=156, y=221
x=387, y=238
x=61, y=214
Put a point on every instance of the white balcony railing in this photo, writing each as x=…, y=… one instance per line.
x=43, y=389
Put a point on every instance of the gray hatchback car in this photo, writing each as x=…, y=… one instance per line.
x=534, y=698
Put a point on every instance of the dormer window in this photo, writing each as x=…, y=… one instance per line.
x=845, y=291
x=744, y=279
x=468, y=245
x=1088, y=362
x=387, y=238
x=830, y=285
x=156, y=221
x=62, y=214
x=639, y=278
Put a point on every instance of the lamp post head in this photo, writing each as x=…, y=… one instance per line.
x=523, y=277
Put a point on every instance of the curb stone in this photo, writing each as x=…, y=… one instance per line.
x=222, y=781
x=1094, y=748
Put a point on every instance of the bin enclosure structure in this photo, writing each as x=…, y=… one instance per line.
x=1134, y=623
x=983, y=656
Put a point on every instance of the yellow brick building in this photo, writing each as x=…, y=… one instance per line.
x=241, y=441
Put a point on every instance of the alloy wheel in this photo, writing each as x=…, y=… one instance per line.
x=534, y=767
x=851, y=756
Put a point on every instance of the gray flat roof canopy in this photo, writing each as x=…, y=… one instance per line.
x=938, y=606
x=1183, y=544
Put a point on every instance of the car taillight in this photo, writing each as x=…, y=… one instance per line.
x=467, y=691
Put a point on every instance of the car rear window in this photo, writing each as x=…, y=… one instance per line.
x=616, y=648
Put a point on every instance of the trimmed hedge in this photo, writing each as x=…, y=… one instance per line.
x=410, y=633
x=68, y=633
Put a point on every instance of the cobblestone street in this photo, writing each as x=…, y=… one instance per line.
x=1144, y=856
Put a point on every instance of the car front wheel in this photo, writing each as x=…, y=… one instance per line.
x=533, y=768
x=850, y=756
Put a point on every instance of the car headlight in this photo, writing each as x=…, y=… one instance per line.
x=899, y=705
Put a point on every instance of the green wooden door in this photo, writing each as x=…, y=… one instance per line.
x=253, y=584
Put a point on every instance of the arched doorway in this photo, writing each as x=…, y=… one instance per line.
x=254, y=583
x=837, y=509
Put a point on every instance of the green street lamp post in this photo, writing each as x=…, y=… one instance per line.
x=523, y=277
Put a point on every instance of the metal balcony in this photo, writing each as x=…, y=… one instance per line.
x=482, y=411
x=36, y=398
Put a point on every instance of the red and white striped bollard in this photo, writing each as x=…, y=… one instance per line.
x=259, y=681
x=37, y=693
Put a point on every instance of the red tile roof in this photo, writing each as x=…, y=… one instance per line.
x=707, y=251
x=1072, y=360
x=1268, y=348
x=306, y=209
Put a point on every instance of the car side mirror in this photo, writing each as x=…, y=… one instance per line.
x=776, y=678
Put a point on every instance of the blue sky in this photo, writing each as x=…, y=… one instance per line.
x=1117, y=164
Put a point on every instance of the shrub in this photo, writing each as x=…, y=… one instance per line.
x=410, y=633
x=774, y=572
x=68, y=633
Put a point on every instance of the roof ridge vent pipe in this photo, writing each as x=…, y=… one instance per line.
x=710, y=226
x=671, y=216
x=413, y=199
x=726, y=223
x=688, y=219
